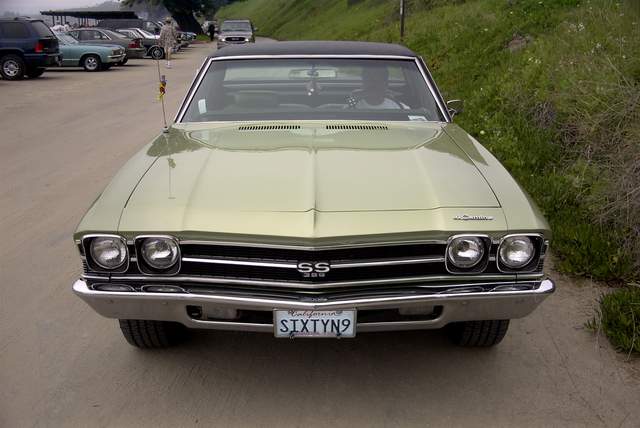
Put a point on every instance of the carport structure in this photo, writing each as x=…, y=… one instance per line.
x=84, y=17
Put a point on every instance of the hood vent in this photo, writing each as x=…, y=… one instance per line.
x=358, y=127
x=268, y=127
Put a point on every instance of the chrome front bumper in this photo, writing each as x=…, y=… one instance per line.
x=486, y=305
x=116, y=58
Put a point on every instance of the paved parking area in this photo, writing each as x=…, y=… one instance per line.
x=61, y=139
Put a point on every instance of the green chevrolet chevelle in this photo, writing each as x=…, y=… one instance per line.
x=313, y=189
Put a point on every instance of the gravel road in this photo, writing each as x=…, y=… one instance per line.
x=61, y=139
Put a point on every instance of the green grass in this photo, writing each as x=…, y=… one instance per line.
x=562, y=114
x=619, y=319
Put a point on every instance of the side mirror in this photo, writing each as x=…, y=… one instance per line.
x=455, y=107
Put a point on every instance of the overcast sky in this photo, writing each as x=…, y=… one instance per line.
x=31, y=6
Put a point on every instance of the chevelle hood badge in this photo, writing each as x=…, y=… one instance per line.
x=465, y=217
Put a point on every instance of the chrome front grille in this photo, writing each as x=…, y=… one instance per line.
x=288, y=271
x=274, y=266
x=335, y=264
x=294, y=254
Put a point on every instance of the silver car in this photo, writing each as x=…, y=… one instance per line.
x=237, y=31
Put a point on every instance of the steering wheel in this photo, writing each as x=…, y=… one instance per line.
x=356, y=96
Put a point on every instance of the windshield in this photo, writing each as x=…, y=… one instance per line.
x=66, y=39
x=318, y=88
x=236, y=26
x=147, y=34
x=117, y=35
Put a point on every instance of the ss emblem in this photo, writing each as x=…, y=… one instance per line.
x=313, y=269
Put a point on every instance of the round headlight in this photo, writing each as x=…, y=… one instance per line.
x=516, y=251
x=160, y=253
x=465, y=252
x=108, y=252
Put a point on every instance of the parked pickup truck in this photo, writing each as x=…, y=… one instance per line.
x=27, y=46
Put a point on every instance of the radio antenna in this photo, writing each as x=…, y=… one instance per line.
x=162, y=89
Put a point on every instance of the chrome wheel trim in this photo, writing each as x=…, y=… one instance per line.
x=91, y=63
x=11, y=68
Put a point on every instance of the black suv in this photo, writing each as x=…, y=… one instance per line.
x=27, y=46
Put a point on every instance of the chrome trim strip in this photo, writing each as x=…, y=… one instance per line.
x=530, y=276
x=98, y=277
x=240, y=262
x=311, y=248
x=339, y=265
x=301, y=56
x=389, y=262
x=312, y=286
x=426, y=75
x=195, y=84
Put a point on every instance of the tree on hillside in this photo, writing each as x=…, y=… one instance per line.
x=185, y=11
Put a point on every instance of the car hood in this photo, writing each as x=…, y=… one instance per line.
x=204, y=172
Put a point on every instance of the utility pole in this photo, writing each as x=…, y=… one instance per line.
x=401, y=20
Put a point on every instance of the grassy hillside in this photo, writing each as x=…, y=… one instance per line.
x=551, y=87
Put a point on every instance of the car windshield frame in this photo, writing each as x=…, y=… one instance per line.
x=440, y=106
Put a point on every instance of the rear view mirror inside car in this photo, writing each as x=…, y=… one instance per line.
x=313, y=73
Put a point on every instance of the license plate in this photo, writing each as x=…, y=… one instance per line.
x=315, y=323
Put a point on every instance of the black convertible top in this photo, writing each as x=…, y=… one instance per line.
x=313, y=48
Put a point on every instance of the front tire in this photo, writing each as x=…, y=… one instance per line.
x=12, y=67
x=91, y=63
x=146, y=334
x=478, y=333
